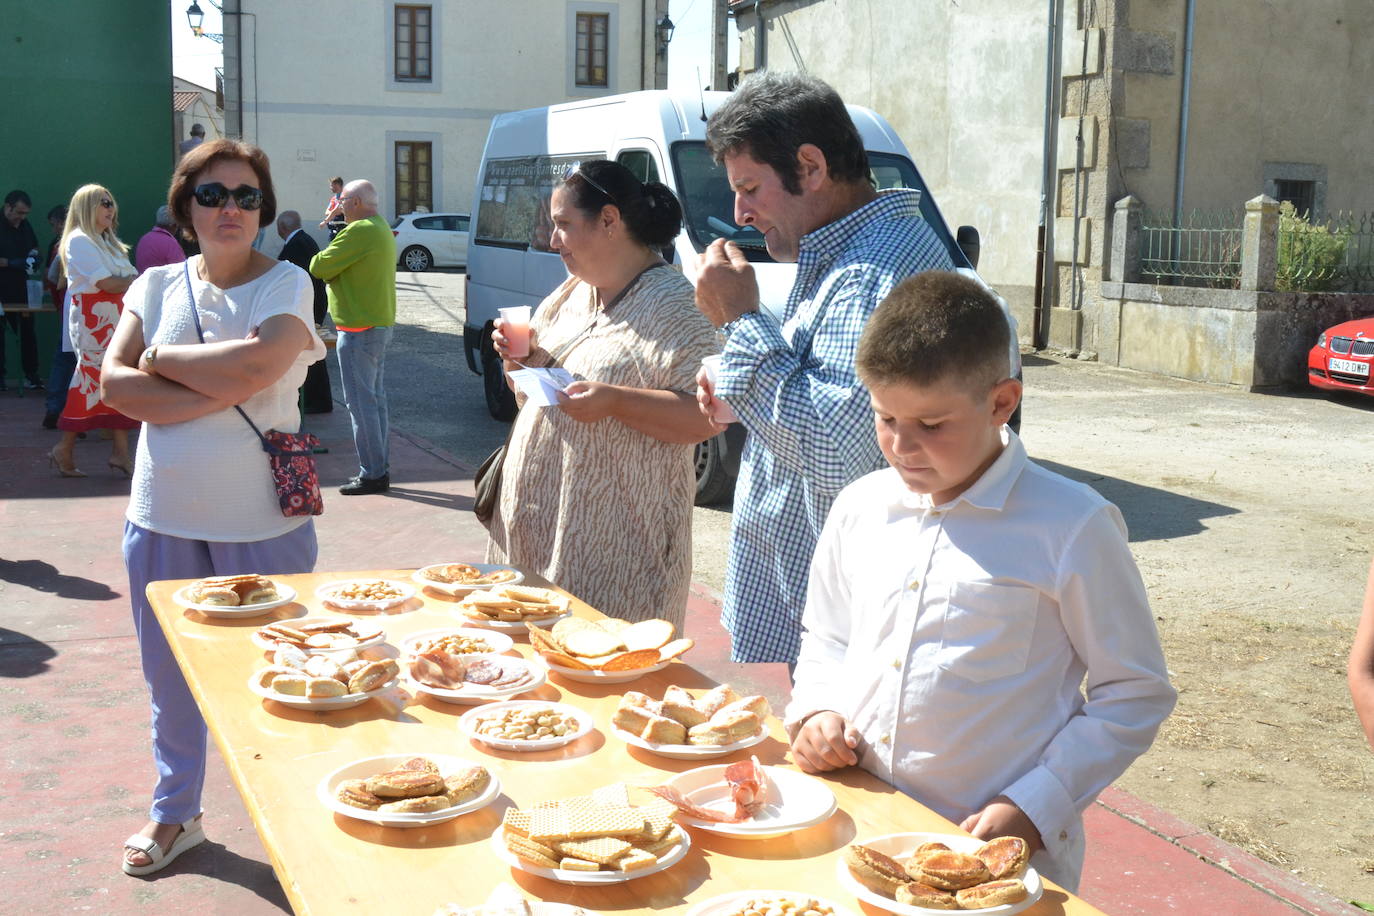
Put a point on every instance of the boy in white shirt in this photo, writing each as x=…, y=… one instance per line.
x=959, y=599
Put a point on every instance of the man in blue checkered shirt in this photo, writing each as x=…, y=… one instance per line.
x=800, y=175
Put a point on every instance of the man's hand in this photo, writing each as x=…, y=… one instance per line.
x=1001, y=817
x=587, y=402
x=726, y=287
x=826, y=741
x=706, y=399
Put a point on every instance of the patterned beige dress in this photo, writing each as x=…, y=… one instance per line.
x=600, y=509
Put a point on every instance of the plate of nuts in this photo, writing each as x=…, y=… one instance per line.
x=457, y=641
x=365, y=594
x=319, y=635
x=767, y=903
x=525, y=725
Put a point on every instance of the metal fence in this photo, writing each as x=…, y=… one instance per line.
x=1204, y=251
x=1335, y=255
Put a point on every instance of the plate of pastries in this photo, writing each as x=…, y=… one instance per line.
x=685, y=727
x=408, y=790
x=320, y=635
x=747, y=800
x=767, y=903
x=234, y=596
x=602, y=838
x=459, y=579
x=525, y=725
x=509, y=607
x=322, y=681
x=607, y=651
x=916, y=874
x=365, y=594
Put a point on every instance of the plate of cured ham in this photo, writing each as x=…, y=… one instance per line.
x=469, y=679
x=748, y=800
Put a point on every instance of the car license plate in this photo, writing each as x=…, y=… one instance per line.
x=1348, y=366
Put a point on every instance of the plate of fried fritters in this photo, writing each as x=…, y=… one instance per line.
x=458, y=579
x=408, y=790
x=234, y=596
x=917, y=874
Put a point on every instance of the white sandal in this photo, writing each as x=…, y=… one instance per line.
x=191, y=835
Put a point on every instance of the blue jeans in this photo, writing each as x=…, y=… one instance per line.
x=179, y=745
x=362, y=359
x=63, y=366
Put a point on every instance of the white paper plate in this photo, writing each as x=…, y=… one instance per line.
x=726, y=904
x=901, y=846
x=344, y=702
x=458, y=589
x=508, y=626
x=499, y=643
x=689, y=751
x=478, y=693
x=326, y=591
x=285, y=595
x=594, y=676
x=371, y=766
x=370, y=634
x=469, y=721
x=564, y=876
x=794, y=802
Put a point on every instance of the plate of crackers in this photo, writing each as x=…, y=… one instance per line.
x=320, y=635
x=602, y=838
x=365, y=594
x=234, y=596
x=321, y=681
x=509, y=607
x=917, y=874
x=685, y=727
x=525, y=725
x=607, y=651
x=762, y=903
x=461, y=578
x=408, y=790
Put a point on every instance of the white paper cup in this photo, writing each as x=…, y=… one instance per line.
x=516, y=327
x=721, y=412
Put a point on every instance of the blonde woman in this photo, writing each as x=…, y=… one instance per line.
x=98, y=272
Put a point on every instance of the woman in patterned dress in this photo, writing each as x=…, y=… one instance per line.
x=596, y=493
x=98, y=272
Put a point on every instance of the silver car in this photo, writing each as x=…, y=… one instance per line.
x=425, y=240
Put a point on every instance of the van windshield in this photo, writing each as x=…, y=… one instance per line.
x=708, y=204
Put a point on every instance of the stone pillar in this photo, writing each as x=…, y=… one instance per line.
x=1260, y=244
x=1125, y=262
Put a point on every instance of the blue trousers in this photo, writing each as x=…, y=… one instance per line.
x=179, y=735
x=59, y=379
x=362, y=361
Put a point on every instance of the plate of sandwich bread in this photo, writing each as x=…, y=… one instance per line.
x=247, y=595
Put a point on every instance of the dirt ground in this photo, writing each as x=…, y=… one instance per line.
x=1249, y=517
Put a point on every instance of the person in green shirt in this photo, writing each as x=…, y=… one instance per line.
x=360, y=267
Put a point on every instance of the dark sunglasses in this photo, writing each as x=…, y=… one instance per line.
x=215, y=194
x=107, y=203
x=576, y=170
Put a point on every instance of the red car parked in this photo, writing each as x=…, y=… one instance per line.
x=1341, y=359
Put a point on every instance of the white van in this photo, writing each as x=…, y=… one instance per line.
x=660, y=136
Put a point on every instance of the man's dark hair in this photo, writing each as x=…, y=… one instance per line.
x=771, y=115
x=197, y=130
x=936, y=326
x=58, y=212
x=18, y=197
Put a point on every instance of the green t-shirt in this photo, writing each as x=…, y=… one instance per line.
x=360, y=267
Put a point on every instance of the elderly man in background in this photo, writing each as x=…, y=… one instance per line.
x=159, y=245
x=360, y=267
x=300, y=249
x=196, y=139
x=19, y=259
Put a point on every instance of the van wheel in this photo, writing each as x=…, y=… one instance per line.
x=417, y=259
x=500, y=399
x=714, y=483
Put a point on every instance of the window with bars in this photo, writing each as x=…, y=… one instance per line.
x=1301, y=194
x=414, y=43
x=593, y=40
x=414, y=177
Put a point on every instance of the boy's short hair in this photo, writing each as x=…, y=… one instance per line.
x=936, y=326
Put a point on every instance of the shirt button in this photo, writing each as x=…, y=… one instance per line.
x=1063, y=836
x=896, y=663
x=915, y=584
x=886, y=739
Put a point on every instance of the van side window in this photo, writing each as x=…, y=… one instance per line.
x=641, y=163
x=513, y=209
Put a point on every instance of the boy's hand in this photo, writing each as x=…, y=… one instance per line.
x=826, y=741
x=1001, y=817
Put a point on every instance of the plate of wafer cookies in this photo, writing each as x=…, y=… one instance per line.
x=234, y=596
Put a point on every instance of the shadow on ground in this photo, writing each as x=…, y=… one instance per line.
x=44, y=577
x=1151, y=514
x=23, y=656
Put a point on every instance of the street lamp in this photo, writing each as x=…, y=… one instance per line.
x=664, y=32
x=195, y=17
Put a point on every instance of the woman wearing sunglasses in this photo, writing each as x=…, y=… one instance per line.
x=228, y=327
x=596, y=493
x=98, y=272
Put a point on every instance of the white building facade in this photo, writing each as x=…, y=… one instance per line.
x=402, y=93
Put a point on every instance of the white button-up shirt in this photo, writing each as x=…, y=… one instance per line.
x=956, y=639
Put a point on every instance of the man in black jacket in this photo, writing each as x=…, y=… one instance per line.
x=299, y=248
x=19, y=258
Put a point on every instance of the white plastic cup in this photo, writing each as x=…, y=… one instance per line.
x=516, y=327
x=721, y=412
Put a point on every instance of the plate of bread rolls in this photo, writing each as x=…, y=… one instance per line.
x=322, y=682
x=918, y=874
x=685, y=727
x=234, y=596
